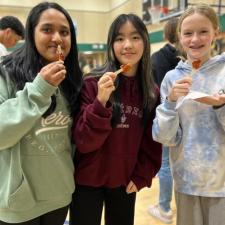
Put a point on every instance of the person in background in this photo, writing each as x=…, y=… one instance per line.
x=163, y=61
x=116, y=156
x=195, y=131
x=11, y=31
x=38, y=98
x=167, y=57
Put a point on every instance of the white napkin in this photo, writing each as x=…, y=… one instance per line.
x=191, y=95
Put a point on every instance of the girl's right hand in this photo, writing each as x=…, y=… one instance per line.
x=54, y=73
x=106, y=87
x=180, y=88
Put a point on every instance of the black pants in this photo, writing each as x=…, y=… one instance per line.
x=56, y=217
x=87, y=205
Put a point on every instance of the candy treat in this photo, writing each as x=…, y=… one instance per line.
x=123, y=68
x=195, y=66
x=60, y=54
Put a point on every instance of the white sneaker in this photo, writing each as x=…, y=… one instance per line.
x=158, y=213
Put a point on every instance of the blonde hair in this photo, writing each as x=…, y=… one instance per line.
x=202, y=9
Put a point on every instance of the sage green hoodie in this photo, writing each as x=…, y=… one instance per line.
x=36, y=168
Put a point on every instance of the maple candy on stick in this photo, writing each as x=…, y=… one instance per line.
x=60, y=54
x=195, y=66
x=123, y=68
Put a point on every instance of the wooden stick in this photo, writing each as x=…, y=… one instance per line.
x=60, y=54
x=123, y=68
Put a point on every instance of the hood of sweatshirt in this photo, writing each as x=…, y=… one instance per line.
x=183, y=66
x=210, y=73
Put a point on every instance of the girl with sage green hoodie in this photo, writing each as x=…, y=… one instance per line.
x=38, y=97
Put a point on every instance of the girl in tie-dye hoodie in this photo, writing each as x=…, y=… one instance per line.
x=195, y=131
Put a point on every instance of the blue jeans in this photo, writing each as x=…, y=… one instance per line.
x=165, y=181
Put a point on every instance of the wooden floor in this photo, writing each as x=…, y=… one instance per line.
x=146, y=197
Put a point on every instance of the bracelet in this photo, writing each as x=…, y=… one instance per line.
x=221, y=92
x=218, y=106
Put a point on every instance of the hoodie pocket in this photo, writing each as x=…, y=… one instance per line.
x=22, y=199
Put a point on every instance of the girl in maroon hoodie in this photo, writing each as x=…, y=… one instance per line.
x=116, y=155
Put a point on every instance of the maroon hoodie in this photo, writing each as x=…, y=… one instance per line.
x=112, y=157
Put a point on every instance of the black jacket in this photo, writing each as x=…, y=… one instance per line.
x=163, y=61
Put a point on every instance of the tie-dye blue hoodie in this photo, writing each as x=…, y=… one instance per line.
x=195, y=132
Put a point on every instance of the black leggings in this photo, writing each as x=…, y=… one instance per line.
x=56, y=217
x=87, y=205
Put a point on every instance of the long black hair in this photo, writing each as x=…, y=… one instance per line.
x=24, y=63
x=144, y=75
